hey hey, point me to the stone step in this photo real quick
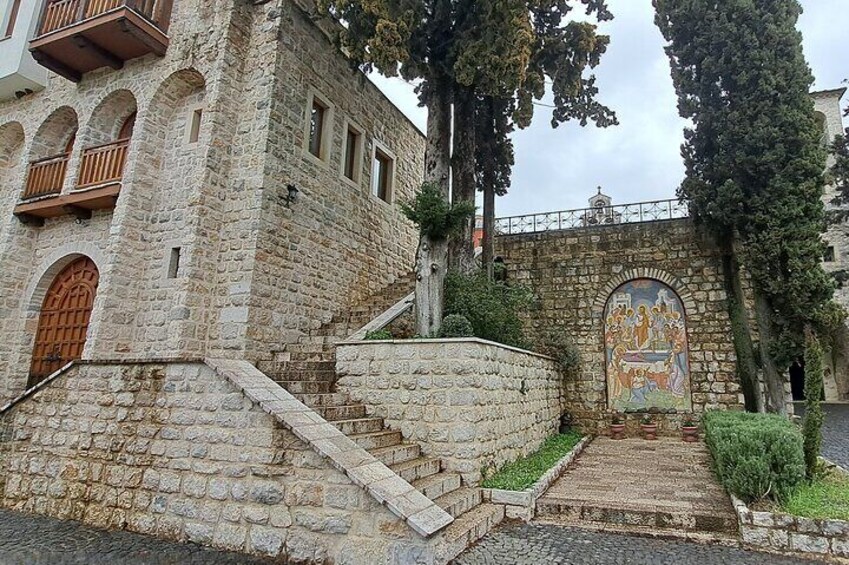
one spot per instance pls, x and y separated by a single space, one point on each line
317 400
706 538
306 387
313 356
349 412
397 453
623 514
460 501
376 440
438 485
315 376
359 426
312 339
474 524
417 468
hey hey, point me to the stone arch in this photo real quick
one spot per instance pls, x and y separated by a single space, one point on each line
109 117
52 265
11 144
56 135
646 347
643 273
822 127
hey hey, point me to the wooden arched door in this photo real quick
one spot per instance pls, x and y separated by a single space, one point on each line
63 322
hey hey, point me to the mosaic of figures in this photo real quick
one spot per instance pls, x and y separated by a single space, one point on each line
645 337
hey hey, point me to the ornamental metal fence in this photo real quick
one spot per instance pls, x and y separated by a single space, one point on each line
593 217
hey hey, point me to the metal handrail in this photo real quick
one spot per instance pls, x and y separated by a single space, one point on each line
652 211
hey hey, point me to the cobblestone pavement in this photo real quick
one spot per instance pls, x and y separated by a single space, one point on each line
835 432
36 540
542 544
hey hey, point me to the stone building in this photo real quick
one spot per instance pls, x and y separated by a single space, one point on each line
213 176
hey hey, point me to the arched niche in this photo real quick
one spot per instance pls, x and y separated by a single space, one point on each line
646 348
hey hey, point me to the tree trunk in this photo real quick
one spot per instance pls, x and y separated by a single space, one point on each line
489 230
775 401
747 367
462 246
432 256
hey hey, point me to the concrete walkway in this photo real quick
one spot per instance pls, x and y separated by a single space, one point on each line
663 486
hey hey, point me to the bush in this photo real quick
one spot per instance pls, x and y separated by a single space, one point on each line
492 308
559 344
378 335
434 215
457 325
755 456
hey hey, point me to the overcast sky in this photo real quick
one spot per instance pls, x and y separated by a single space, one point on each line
639 160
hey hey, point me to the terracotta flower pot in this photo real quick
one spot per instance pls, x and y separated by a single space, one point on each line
649 431
690 433
617 431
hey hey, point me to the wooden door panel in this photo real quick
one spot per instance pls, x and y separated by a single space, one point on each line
64 319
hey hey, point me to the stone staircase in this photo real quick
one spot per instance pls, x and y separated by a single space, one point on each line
309 374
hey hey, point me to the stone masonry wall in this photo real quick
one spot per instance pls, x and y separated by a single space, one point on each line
571 272
175 451
475 404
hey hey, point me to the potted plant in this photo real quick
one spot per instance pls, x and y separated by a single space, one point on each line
617 426
649 427
690 430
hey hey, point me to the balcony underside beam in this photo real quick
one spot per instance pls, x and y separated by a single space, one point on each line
56 66
109 59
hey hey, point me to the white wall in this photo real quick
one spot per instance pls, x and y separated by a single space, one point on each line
18 70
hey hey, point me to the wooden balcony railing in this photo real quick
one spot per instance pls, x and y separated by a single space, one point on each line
103 164
46 176
58 14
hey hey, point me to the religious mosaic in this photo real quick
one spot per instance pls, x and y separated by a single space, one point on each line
645 337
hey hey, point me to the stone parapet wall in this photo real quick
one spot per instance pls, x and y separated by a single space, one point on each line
475 404
572 272
786 533
178 451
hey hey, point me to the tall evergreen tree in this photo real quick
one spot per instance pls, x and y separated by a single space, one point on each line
462 49
754 162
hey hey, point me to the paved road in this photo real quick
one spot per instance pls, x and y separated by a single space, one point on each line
539 544
835 432
35 540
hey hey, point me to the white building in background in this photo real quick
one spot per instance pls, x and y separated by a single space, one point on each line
20 74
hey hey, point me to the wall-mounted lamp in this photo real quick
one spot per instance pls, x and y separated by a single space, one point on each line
291 195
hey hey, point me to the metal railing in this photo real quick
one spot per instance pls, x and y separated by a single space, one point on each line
103 164
46 176
593 217
59 14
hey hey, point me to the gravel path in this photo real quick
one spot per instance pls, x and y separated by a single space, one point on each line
835 432
541 544
36 540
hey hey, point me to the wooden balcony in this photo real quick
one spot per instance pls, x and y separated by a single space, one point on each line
46 176
97 188
78 36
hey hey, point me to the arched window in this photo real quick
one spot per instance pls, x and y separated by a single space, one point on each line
646 351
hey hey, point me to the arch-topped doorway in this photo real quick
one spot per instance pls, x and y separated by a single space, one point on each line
64 318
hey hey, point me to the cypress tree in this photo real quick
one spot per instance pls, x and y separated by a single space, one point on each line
755 167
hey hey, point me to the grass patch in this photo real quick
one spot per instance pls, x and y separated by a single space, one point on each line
524 472
823 499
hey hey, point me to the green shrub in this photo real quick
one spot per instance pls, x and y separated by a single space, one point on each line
755 456
378 335
812 426
559 344
491 307
524 472
434 215
457 325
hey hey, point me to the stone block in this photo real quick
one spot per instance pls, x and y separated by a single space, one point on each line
809 543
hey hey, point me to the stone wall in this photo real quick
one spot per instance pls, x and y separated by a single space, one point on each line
786 533
179 452
573 273
475 404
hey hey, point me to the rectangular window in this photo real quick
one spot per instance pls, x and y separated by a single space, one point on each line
382 176
829 255
194 125
174 263
13 16
318 116
353 152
